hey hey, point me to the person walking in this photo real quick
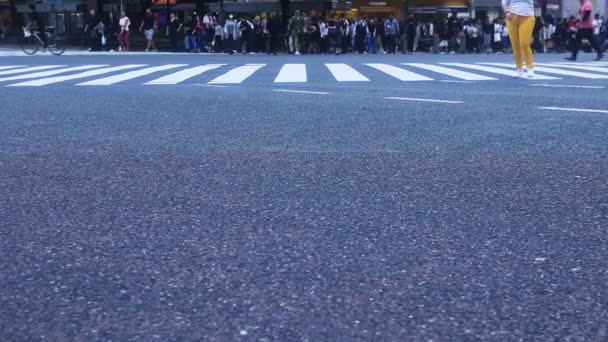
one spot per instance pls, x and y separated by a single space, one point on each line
520 23
230 34
175 26
391 27
585 31
123 36
148 26
112 31
92 29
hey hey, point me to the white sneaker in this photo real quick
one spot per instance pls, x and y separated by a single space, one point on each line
519 73
531 73
297 53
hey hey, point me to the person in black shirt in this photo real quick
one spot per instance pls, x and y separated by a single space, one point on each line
92 28
148 26
174 27
37 24
274 27
112 30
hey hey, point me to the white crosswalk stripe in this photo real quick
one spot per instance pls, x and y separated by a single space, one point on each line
576 67
22 70
238 74
398 73
4 67
463 75
291 73
50 72
130 75
497 71
90 73
557 71
345 73
185 74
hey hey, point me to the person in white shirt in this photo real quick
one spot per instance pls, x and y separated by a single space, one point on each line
123 36
597 24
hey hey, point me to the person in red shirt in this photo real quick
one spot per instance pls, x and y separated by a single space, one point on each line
585 31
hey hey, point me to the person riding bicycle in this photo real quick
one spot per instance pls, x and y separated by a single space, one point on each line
37 24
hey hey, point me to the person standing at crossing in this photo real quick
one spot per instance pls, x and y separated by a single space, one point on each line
585 31
520 23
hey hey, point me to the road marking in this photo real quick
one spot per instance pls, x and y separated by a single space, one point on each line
90 73
577 67
498 71
455 81
345 73
36 68
463 75
238 74
185 74
421 100
210 85
565 86
51 72
4 67
575 110
301 91
398 73
291 73
557 71
130 75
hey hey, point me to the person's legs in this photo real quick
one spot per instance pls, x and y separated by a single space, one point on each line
526 25
513 28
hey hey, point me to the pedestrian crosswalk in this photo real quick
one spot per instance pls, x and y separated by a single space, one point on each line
295 73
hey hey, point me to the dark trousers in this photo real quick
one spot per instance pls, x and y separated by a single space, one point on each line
585 33
275 43
229 44
360 43
410 42
173 37
345 43
391 43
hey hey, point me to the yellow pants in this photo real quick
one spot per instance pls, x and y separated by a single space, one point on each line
520 33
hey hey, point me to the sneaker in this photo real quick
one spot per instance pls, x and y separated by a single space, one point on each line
146 50
111 50
90 50
530 73
570 59
599 57
519 73
297 53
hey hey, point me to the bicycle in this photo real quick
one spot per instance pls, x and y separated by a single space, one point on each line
31 41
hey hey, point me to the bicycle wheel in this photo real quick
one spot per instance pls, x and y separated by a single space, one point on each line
56 46
29 44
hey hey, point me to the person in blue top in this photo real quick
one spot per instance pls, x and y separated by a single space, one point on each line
391 26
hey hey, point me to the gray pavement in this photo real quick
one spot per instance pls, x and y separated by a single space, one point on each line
323 210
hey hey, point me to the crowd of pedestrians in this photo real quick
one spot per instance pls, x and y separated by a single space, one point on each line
335 34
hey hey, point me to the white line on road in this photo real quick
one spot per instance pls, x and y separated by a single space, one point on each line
36 68
463 75
185 74
498 71
51 72
576 67
558 71
455 81
4 67
421 100
90 73
237 75
291 73
575 109
566 86
130 75
398 73
210 85
345 73
301 91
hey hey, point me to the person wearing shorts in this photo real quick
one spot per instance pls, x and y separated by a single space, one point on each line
148 26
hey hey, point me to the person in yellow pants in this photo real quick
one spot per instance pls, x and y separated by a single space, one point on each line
520 23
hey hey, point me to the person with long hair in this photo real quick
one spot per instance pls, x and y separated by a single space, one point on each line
520 23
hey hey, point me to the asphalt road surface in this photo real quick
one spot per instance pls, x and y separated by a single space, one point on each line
302 198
